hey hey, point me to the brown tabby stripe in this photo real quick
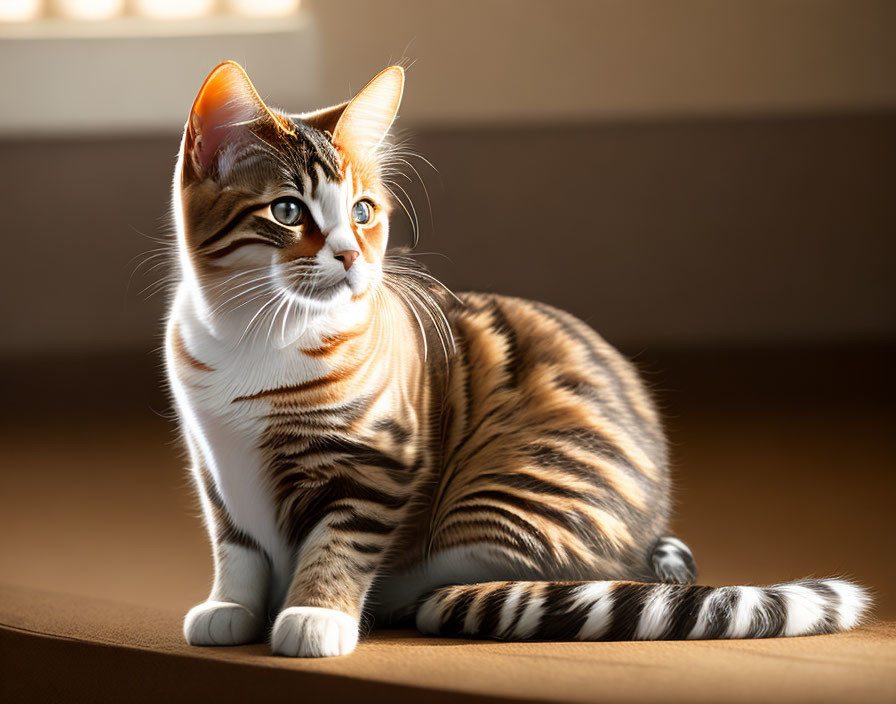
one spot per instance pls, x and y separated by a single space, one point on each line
519 531
235 245
224 529
595 348
332 343
293 389
180 350
497 534
400 433
298 421
229 226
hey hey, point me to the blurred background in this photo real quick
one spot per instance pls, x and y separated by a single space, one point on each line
721 177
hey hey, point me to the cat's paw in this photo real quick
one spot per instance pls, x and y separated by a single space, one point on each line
313 632
221 623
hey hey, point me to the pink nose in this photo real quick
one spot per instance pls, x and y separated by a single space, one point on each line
347 257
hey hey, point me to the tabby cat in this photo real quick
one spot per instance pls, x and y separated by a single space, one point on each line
365 443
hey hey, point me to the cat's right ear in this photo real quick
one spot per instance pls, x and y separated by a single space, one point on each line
226 111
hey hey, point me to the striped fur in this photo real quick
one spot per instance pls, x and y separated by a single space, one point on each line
363 442
619 610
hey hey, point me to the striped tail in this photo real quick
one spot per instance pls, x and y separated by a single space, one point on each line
588 611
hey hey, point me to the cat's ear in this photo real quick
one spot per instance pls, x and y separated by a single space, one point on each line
227 110
366 119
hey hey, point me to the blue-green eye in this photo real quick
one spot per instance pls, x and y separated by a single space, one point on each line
362 211
287 211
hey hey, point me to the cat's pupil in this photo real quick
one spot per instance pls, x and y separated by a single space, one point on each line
287 211
361 212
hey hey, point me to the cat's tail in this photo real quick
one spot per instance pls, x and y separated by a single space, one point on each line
616 610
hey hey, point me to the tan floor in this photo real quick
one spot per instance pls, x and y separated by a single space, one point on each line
106 651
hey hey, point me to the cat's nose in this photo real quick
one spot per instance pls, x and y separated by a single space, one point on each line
347 257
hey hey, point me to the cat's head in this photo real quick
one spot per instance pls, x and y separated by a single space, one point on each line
291 206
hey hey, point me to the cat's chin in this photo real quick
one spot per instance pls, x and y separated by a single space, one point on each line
313 313
324 298
327 298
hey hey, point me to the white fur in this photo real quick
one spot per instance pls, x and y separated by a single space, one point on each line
598 595
748 601
242 576
226 439
805 609
222 623
854 602
703 623
529 619
508 610
670 541
471 620
654 616
313 632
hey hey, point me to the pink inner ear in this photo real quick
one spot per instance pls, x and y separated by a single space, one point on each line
227 102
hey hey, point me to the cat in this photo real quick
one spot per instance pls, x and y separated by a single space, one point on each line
365 443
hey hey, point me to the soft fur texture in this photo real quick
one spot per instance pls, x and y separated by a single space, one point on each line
363 442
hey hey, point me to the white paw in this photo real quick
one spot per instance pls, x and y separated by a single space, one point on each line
312 632
221 623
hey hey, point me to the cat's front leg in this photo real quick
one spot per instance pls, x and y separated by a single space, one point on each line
335 567
236 609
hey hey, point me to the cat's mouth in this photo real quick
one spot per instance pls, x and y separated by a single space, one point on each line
353 283
329 291
323 293
315 286
322 289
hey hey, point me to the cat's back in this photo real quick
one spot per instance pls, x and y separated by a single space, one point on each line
528 346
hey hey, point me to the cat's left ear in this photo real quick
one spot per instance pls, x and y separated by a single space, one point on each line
365 120
227 110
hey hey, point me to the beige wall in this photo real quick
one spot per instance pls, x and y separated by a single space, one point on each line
691 232
577 60
474 62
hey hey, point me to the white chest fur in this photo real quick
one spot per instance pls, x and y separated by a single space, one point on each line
226 435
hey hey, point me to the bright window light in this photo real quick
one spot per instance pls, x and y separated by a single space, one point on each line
175 9
19 10
90 9
264 8
106 18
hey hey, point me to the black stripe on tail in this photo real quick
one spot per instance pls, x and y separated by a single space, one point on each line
635 611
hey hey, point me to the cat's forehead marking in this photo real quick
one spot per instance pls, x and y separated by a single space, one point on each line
328 200
318 155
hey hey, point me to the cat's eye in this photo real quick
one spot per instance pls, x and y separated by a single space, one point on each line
287 211
362 211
